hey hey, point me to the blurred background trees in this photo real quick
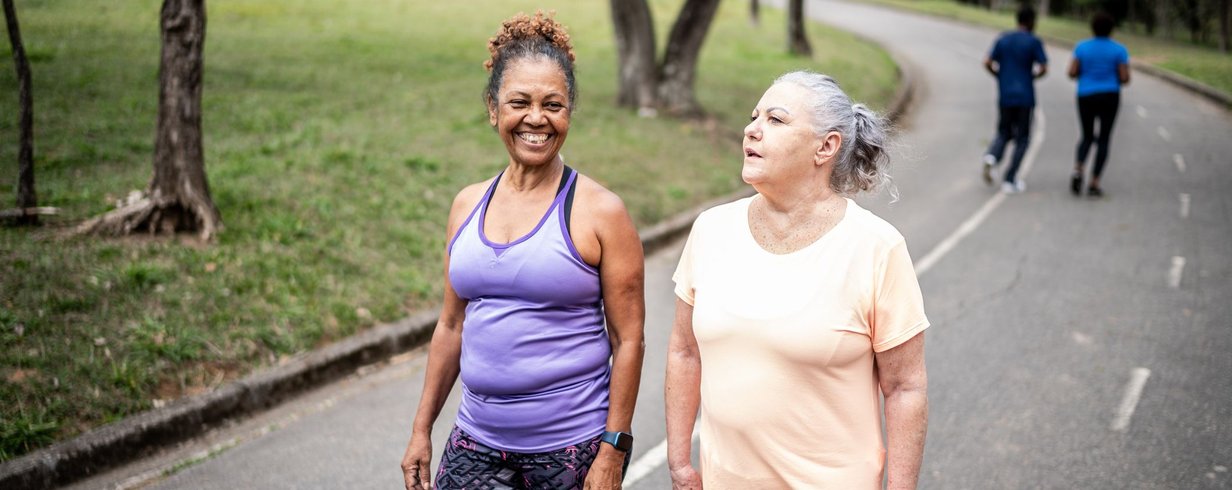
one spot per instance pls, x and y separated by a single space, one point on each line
1203 22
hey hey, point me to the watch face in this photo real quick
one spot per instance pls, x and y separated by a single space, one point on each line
620 440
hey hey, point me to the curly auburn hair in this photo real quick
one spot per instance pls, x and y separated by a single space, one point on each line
523 36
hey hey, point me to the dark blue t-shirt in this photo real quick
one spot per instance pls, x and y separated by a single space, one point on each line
1016 53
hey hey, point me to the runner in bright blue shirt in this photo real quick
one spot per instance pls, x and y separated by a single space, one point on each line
1101 67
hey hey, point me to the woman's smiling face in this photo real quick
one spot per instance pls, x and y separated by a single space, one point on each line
531 113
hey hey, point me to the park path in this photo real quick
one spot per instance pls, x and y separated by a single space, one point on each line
1075 343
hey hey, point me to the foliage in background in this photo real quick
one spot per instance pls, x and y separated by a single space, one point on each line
336 136
1204 64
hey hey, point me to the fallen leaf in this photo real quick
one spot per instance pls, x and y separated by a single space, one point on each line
100 341
19 375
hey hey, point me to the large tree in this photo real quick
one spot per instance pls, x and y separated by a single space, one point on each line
667 85
797 41
27 199
178 196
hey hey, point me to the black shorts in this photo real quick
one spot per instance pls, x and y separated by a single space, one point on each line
468 464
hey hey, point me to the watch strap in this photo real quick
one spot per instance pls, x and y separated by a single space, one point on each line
619 440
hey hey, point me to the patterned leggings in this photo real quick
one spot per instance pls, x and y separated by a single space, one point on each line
468 464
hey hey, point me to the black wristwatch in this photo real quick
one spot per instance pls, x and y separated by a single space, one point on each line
619 440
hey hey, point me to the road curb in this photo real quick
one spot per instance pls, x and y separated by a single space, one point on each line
116 444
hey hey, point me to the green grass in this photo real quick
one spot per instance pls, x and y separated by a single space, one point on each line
1201 63
336 136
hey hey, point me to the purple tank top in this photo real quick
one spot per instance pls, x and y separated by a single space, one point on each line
535 353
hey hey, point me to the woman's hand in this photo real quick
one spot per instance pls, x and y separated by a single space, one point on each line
686 478
417 463
605 471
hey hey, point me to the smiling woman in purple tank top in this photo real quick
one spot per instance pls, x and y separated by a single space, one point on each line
543 310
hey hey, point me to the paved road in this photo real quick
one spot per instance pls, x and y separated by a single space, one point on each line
1076 343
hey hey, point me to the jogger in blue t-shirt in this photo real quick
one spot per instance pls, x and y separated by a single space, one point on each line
1016 59
1101 67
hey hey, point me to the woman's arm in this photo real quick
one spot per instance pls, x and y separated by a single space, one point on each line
1074 68
1123 73
904 383
621 278
682 393
444 355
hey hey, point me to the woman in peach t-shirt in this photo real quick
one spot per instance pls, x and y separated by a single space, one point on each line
797 311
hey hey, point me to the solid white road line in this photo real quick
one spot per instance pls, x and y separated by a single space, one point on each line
1133 391
653 458
1174 274
1184 205
1142 112
925 263
1163 133
1179 160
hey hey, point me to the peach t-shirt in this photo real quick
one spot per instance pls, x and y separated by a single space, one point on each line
788 392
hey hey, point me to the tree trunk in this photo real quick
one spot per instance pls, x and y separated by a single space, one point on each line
1042 9
1224 7
27 198
797 40
635 46
1163 19
178 198
754 12
684 45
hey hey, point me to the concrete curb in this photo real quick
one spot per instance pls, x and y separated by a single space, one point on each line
113 445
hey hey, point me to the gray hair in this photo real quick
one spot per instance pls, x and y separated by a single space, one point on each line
862 161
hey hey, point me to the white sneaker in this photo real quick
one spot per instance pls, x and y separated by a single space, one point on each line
1013 187
989 161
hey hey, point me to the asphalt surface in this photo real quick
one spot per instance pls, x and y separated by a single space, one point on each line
1076 343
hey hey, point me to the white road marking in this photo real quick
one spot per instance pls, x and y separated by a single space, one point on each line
653 458
1174 274
1133 391
925 263
1163 133
1142 112
1184 205
1179 160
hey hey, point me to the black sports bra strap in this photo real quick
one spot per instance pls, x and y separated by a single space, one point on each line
564 179
568 204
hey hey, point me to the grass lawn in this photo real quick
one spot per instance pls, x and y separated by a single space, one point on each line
1200 63
337 133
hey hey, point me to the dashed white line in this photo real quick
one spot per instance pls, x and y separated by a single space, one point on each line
1174 274
1142 112
1184 205
1137 380
1163 133
1179 160
968 226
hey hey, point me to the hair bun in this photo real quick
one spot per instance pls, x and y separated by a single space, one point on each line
522 26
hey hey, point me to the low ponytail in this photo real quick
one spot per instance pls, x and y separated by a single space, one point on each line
862 162
867 158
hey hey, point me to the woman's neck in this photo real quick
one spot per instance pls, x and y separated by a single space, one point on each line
522 178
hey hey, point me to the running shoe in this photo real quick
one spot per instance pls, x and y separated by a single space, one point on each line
1008 187
1075 183
989 161
1094 192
